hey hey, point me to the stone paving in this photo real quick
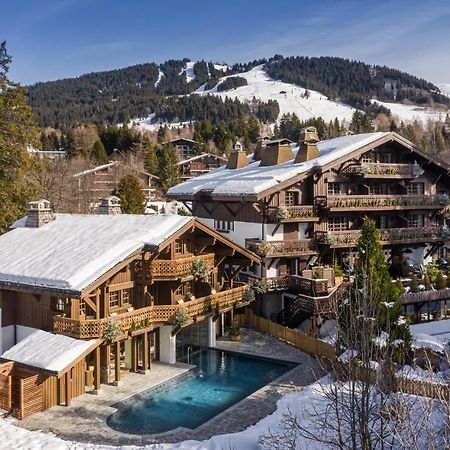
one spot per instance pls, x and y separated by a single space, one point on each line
85 420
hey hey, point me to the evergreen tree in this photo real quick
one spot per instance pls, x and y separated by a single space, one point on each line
151 163
17 130
98 153
169 172
132 199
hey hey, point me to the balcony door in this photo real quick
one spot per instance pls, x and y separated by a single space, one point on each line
290 231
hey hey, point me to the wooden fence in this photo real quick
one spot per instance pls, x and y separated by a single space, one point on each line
298 339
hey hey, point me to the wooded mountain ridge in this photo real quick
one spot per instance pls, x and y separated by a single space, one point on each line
116 96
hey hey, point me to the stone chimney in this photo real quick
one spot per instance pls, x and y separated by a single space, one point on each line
307 145
238 158
39 214
276 152
261 141
109 205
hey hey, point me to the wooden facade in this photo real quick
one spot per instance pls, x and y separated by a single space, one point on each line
199 165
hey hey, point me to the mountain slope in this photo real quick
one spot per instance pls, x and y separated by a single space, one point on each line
335 87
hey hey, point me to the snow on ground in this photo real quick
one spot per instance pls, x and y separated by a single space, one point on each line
439 328
160 75
189 71
434 343
445 89
148 124
289 96
420 374
409 113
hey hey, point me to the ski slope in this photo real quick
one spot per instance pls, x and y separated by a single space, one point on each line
445 89
409 113
290 97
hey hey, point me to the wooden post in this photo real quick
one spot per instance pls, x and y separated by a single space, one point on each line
145 351
133 354
97 369
68 387
117 363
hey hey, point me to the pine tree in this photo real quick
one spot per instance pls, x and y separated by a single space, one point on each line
132 199
98 153
151 163
17 130
169 172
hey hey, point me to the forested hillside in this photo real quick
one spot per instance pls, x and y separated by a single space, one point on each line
117 96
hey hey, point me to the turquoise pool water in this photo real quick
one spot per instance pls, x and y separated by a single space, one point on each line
220 380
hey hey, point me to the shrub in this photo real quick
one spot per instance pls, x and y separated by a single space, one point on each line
235 328
338 272
260 286
432 270
249 295
414 285
427 283
440 282
111 330
318 272
282 213
263 248
181 317
199 268
416 170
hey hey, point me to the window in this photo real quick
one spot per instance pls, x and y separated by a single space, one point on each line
182 246
225 226
379 189
416 220
291 198
338 223
415 188
114 299
382 222
337 188
367 157
183 290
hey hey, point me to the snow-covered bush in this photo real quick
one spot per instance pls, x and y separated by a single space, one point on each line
111 330
181 316
199 268
282 213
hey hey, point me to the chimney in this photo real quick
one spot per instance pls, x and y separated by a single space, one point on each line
238 157
307 145
276 152
109 205
260 142
39 214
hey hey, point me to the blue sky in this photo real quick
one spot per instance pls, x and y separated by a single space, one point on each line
51 39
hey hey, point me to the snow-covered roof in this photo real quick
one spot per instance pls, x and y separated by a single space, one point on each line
72 251
96 169
48 351
253 179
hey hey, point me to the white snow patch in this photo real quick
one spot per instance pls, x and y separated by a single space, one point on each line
348 355
188 69
290 97
409 113
433 343
445 89
439 328
420 374
160 75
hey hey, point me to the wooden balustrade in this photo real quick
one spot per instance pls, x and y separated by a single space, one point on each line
270 249
156 314
425 296
298 213
388 235
382 201
175 268
372 170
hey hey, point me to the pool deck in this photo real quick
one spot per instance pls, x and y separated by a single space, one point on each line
85 420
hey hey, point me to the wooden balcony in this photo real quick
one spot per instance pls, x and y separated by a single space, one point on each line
380 202
299 213
381 170
154 315
271 249
349 238
298 284
178 268
425 296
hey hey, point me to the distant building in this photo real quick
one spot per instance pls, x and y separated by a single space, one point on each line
101 181
200 164
49 154
184 147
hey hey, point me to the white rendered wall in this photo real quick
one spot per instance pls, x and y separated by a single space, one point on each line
23 332
167 345
6 338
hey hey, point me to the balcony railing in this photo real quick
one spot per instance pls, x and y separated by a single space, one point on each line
299 213
270 249
373 170
391 235
425 296
174 268
382 201
156 314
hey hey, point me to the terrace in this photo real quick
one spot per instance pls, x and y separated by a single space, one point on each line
151 315
382 170
163 269
298 213
270 249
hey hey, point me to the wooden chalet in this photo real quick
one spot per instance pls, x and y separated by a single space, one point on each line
101 181
199 165
84 299
302 206
184 147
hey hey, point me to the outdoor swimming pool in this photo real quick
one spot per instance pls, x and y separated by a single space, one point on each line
220 380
